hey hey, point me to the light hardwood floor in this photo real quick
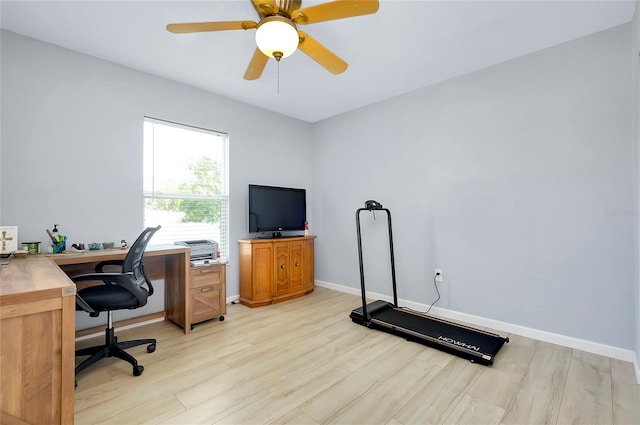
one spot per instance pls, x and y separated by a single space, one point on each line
304 361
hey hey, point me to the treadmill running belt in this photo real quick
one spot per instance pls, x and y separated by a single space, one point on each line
442 332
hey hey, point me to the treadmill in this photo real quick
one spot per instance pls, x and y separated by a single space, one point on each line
476 345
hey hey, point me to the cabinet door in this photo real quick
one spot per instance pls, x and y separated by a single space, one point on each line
206 303
296 267
262 276
308 272
281 255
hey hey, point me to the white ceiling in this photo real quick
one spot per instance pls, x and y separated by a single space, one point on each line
407 44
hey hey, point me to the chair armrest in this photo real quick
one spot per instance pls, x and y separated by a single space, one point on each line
100 266
146 279
83 305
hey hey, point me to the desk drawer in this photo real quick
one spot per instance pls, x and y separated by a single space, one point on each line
207 303
207 275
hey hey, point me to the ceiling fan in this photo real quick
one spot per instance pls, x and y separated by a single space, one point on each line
277 34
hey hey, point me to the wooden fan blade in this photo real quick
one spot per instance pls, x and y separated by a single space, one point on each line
321 54
210 26
256 66
265 7
337 9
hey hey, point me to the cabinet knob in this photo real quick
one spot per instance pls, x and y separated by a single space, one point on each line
297 264
282 266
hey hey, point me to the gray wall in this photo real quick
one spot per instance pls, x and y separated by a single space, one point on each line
516 180
72 146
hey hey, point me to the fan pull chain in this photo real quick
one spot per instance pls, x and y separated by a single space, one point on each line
277 56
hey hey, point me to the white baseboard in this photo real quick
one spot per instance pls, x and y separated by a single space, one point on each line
566 341
340 288
231 299
120 328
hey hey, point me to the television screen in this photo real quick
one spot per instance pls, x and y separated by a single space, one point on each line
276 209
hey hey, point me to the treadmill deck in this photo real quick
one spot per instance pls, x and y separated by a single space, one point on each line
475 344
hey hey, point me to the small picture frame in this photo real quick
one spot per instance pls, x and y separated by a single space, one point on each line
8 239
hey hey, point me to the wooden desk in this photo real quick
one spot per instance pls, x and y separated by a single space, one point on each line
168 262
37 328
159 261
37 342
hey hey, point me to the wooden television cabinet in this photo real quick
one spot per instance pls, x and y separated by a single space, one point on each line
274 270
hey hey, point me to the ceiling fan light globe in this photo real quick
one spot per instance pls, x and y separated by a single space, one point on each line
277 35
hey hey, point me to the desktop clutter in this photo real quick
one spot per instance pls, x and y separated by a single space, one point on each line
94 246
59 244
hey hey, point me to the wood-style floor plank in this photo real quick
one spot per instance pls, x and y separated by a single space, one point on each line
625 393
333 400
587 391
439 397
495 387
383 401
538 398
294 416
147 413
296 389
304 362
471 410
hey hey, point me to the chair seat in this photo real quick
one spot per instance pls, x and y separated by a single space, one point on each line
108 297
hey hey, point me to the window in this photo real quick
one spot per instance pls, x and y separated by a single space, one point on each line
186 187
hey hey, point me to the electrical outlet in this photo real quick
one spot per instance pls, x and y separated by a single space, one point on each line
438 274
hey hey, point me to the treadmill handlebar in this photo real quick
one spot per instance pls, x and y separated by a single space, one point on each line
372 205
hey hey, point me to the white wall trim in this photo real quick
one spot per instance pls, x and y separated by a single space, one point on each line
566 341
121 328
636 367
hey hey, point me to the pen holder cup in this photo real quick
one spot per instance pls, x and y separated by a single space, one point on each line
60 247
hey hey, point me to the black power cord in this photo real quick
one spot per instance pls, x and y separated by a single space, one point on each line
435 283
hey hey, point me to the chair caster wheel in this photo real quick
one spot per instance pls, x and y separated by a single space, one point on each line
151 348
221 318
137 370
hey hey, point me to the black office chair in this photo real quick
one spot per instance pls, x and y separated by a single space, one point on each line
124 290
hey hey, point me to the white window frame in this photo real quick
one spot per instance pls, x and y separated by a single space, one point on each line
223 198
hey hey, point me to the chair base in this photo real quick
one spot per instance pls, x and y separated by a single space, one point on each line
113 348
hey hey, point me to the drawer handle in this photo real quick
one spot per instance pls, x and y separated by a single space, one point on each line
207 271
282 266
206 289
297 264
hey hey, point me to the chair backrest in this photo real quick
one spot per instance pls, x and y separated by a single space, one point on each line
133 261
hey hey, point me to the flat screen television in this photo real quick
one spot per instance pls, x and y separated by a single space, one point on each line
276 209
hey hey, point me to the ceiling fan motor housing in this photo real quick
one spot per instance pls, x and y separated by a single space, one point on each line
288 6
